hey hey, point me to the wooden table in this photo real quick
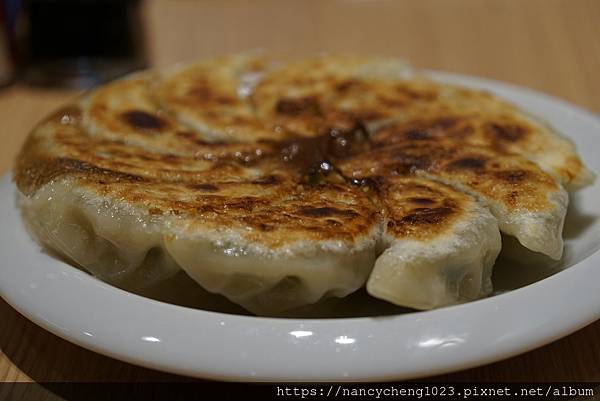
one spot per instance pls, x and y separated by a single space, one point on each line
548 45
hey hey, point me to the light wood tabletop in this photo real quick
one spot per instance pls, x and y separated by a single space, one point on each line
548 45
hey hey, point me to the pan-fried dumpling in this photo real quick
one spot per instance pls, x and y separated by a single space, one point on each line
439 245
279 185
249 233
527 202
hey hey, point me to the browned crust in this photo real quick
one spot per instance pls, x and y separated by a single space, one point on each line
418 208
298 186
279 198
508 179
268 199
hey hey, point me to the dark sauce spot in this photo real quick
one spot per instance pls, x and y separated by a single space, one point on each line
325 212
143 120
370 182
303 153
341 144
468 163
297 107
313 156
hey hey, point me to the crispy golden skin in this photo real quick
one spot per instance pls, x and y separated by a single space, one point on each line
207 96
335 152
283 190
190 127
267 195
417 208
506 178
316 94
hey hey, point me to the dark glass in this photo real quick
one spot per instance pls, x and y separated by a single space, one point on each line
79 42
6 69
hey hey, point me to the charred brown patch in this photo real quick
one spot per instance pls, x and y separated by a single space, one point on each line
187 135
201 90
204 187
206 209
506 132
392 101
32 174
78 166
415 94
169 158
408 159
425 129
421 216
512 176
203 93
512 198
294 107
417 135
347 85
144 157
445 123
143 120
246 203
265 227
268 180
325 212
422 201
195 138
468 163
225 100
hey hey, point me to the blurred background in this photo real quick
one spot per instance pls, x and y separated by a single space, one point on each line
81 42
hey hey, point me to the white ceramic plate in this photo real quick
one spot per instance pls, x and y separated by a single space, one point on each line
81 309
